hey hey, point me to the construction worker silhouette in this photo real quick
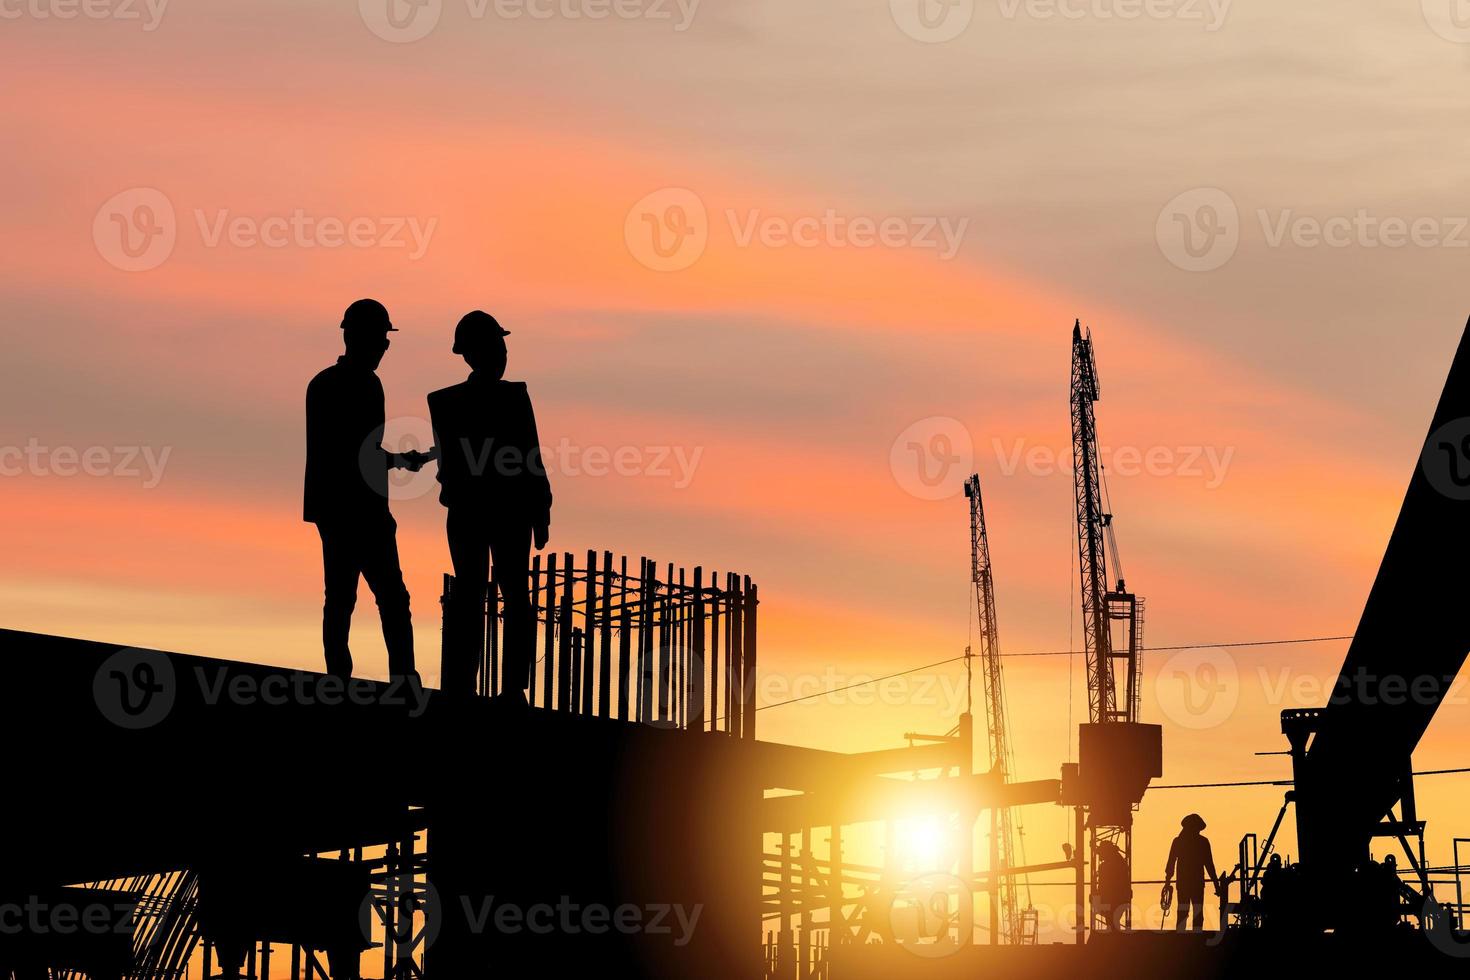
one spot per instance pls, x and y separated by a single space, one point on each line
493 481
1190 855
347 492
1114 885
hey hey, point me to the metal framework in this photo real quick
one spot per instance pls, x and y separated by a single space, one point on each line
1006 922
678 651
1112 618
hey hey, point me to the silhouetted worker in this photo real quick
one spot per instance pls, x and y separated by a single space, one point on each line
1273 883
1190 856
1114 885
347 491
495 486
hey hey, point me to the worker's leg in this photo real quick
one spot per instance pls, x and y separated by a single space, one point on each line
340 570
379 543
1198 924
510 548
469 551
1181 911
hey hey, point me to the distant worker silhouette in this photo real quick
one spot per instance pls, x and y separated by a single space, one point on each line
1190 856
1114 885
495 486
347 491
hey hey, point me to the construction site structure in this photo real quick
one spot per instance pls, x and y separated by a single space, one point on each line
218 807
1117 754
1009 922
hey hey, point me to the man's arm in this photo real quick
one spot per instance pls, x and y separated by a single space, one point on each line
1210 865
541 491
1173 860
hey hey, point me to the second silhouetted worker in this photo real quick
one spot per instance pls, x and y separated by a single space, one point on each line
495 486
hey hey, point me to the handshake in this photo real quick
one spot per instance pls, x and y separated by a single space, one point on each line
413 460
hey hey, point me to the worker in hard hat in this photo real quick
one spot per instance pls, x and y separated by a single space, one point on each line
1114 886
347 492
494 484
1190 856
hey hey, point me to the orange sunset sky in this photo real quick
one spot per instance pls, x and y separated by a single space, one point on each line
759 386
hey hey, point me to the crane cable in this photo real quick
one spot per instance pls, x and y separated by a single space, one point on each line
1039 653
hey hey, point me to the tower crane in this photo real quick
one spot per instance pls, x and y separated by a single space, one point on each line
1117 755
1008 921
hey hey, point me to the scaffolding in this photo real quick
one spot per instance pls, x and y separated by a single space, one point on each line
677 651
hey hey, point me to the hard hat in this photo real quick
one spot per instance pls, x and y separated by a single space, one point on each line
476 323
366 314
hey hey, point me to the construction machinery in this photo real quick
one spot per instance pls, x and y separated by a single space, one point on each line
1353 781
1117 755
1008 921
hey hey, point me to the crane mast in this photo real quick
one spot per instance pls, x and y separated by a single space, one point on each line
1117 755
1103 609
1091 521
1006 921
